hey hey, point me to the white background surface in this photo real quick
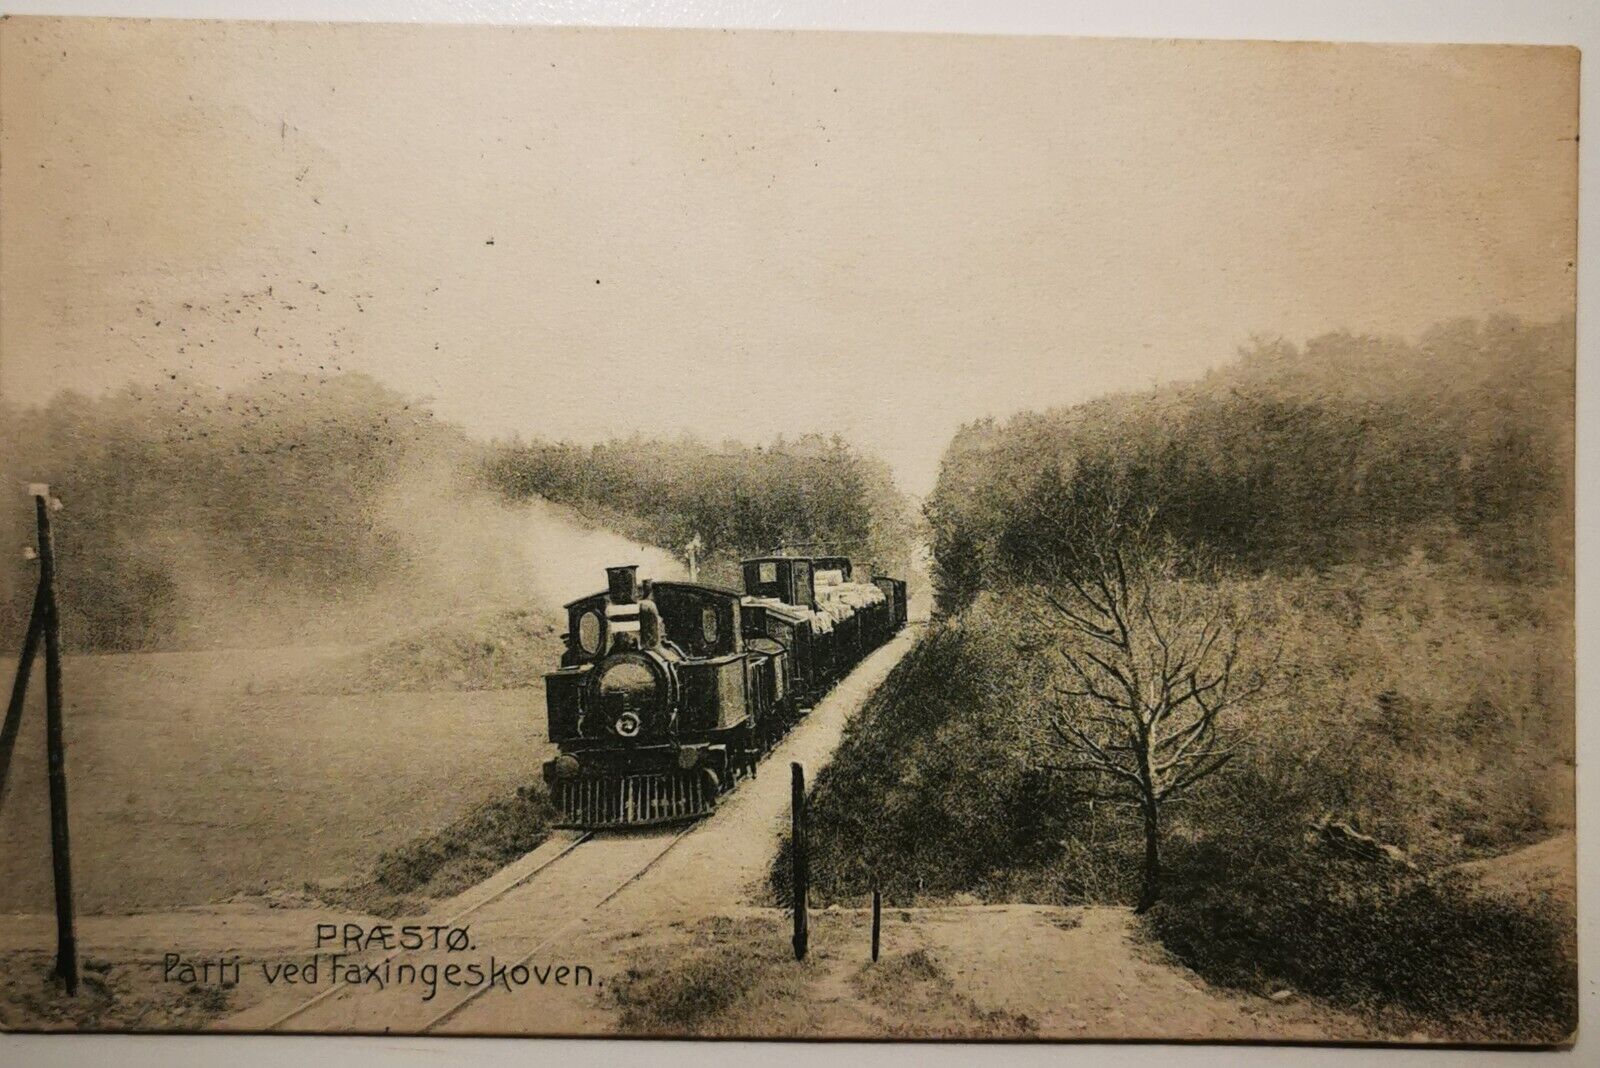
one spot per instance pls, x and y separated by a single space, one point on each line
1546 22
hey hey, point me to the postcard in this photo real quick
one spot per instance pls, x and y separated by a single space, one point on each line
596 532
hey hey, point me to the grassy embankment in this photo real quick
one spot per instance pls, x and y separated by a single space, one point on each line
1399 516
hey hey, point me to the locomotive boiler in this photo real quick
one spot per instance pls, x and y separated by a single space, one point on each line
669 693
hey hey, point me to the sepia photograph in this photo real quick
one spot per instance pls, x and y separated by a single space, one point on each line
686 533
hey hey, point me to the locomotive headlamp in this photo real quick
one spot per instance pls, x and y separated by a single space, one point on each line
688 757
627 725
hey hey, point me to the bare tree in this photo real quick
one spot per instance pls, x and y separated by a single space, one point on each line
1154 662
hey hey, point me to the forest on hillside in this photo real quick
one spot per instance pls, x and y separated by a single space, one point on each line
1339 577
1347 448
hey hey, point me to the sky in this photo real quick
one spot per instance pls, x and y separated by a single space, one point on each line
582 233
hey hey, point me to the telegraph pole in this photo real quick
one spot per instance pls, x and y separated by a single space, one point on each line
45 622
55 748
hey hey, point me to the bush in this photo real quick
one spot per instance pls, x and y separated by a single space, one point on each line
460 855
481 842
1430 705
1269 910
730 978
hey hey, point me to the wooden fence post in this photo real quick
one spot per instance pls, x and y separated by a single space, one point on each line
55 747
877 921
797 850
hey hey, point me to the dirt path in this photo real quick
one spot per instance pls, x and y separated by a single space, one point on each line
972 972
1086 973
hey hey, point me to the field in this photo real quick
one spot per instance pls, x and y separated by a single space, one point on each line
199 775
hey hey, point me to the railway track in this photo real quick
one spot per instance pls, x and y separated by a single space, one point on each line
545 943
532 911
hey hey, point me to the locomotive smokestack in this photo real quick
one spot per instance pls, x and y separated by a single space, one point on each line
623 583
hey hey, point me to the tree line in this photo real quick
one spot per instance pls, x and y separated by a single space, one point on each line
187 503
1349 448
732 499
183 492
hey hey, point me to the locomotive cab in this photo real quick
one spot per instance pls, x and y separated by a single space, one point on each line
782 578
624 615
789 581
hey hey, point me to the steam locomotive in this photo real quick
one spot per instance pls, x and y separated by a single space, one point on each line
669 693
